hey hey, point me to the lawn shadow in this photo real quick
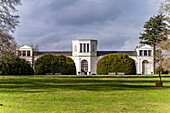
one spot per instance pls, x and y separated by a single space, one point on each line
39 85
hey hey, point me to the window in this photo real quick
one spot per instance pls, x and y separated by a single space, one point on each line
93 49
149 52
24 53
145 52
81 49
87 47
84 66
19 53
84 47
140 52
28 53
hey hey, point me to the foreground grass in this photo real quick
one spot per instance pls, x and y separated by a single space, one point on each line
84 94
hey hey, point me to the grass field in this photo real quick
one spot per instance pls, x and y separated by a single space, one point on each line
84 94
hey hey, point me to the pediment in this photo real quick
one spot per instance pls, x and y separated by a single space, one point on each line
24 47
145 47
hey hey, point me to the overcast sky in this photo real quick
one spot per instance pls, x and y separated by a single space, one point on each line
53 24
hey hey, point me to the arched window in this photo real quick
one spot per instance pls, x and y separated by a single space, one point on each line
145 67
84 66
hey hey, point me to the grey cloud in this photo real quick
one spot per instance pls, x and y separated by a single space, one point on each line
54 23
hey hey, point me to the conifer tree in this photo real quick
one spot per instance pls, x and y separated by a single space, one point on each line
154 31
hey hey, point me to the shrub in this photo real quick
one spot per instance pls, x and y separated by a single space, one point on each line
16 67
43 64
163 71
116 63
55 64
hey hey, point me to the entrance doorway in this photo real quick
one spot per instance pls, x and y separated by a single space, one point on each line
84 67
145 67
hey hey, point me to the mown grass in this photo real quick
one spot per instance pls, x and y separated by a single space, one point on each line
84 94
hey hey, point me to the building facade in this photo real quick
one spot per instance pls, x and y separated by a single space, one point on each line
85 55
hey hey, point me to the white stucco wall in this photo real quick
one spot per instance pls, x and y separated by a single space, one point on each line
25 48
92 58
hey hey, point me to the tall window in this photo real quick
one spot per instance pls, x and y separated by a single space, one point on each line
87 47
140 52
28 53
24 53
145 52
149 53
84 47
81 48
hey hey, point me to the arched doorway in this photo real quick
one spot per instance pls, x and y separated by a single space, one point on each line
84 67
145 67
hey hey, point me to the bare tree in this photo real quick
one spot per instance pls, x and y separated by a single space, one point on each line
166 64
7 48
8 19
7 43
165 9
163 54
35 48
8 23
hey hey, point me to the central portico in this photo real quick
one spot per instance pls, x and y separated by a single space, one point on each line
84 54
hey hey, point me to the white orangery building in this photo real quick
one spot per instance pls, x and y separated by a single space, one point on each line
85 55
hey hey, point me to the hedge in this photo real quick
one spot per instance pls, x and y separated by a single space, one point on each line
55 64
115 63
16 67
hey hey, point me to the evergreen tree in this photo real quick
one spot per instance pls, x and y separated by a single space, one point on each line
154 31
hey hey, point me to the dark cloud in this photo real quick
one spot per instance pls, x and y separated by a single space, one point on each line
53 24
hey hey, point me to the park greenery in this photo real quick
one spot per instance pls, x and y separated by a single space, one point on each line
8 22
84 94
15 66
155 31
75 93
114 63
163 55
54 64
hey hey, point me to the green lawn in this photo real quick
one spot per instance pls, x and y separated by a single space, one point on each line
84 94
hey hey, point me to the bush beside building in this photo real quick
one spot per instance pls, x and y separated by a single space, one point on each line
16 67
114 63
54 64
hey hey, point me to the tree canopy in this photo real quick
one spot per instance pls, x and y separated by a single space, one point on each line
8 18
155 30
8 23
165 8
163 54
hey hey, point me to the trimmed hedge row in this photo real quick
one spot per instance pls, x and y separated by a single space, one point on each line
116 63
55 64
16 67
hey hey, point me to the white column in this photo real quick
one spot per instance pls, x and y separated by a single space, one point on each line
21 53
90 65
79 65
